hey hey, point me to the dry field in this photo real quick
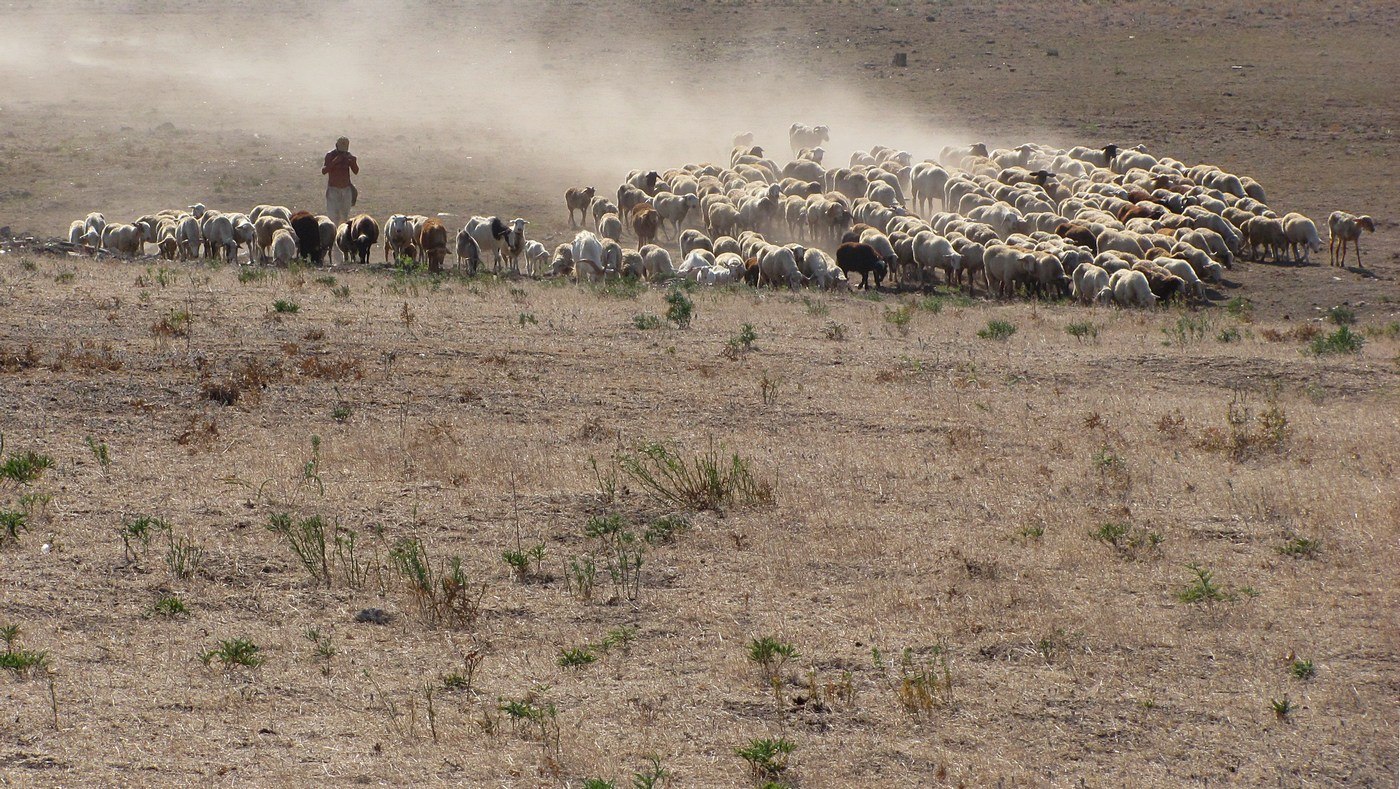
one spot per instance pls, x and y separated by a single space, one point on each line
980 548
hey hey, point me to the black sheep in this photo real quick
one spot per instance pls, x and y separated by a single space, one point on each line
863 259
308 233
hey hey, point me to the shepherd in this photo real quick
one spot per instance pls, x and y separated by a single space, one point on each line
341 195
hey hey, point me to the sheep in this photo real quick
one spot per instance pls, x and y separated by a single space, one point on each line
600 207
308 233
506 241
1005 267
218 239
578 199
95 223
361 234
931 252
245 234
1301 235
536 257
1343 228
468 250
645 224
431 242
1130 288
722 219
778 265
801 136
950 156
281 212
1266 233
561 264
610 226
656 263
1182 269
743 140
696 262
398 236
1047 276
284 245
1090 285
587 257
267 225
862 259
1164 285
674 207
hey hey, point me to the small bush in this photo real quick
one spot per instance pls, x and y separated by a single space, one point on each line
285 307
1341 315
900 318
1188 329
307 541
1300 548
1202 588
834 331
771 654
1130 541
1228 335
767 758
170 606
1343 340
1303 669
680 309
234 652
12 523
175 323
646 321
576 657
997 330
741 342
1083 330
20 661
24 467
707 481
1240 308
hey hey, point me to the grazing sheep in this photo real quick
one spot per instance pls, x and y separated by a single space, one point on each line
933 252
1265 235
308 233
506 241
602 206
861 259
267 225
1301 235
468 250
1130 289
398 237
1182 269
94 223
361 234
1005 267
587 257
1343 228
218 239
432 243
284 245
1090 285
562 263
778 266
656 263
578 199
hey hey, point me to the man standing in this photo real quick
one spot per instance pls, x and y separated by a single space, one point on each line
341 195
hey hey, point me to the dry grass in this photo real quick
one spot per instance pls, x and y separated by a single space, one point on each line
932 552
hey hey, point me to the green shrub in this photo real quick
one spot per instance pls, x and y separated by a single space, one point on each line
997 330
1341 315
646 321
680 308
1343 340
707 481
286 307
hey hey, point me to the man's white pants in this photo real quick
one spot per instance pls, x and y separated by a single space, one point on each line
338 202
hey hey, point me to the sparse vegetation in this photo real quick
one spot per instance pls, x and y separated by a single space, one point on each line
14 658
767 757
998 330
679 308
646 321
1083 330
1341 341
1202 588
711 480
234 652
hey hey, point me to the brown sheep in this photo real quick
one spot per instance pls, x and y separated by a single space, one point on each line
645 223
1078 234
1165 285
432 242
578 200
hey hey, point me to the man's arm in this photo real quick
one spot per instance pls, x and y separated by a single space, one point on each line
326 165
354 164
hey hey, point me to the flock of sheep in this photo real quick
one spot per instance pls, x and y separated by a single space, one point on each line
1104 225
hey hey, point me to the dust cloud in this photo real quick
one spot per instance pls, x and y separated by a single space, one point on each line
567 90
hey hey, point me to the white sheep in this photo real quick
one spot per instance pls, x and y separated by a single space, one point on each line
1343 228
1130 289
1302 237
587 257
284 246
